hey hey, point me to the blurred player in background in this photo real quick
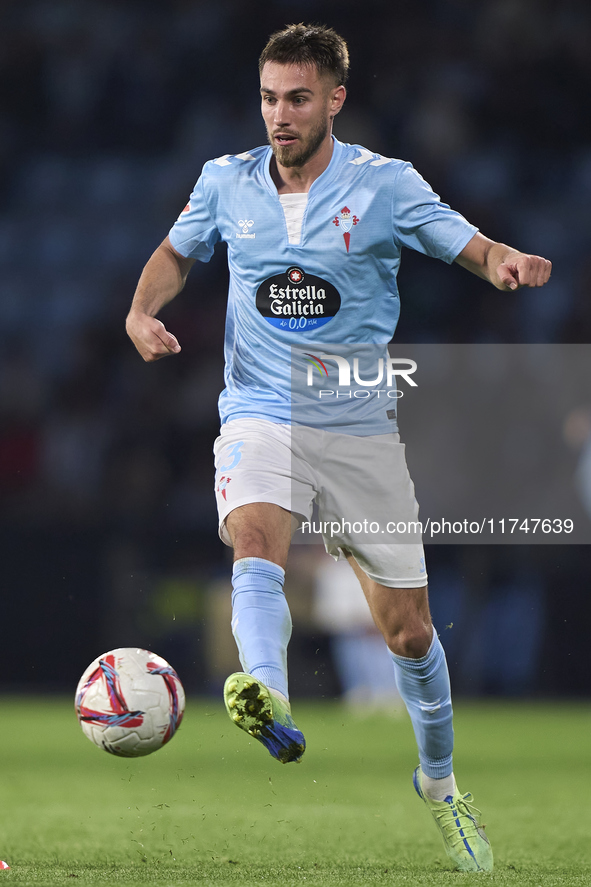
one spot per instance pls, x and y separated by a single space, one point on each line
358 651
308 206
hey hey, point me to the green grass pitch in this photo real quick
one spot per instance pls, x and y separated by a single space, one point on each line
214 808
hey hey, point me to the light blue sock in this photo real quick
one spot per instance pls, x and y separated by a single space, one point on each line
261 621
424 686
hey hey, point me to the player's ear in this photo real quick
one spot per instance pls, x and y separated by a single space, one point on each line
337 100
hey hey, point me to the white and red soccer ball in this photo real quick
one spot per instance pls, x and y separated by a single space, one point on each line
130 702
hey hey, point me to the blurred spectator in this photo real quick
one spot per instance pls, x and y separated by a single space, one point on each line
360 655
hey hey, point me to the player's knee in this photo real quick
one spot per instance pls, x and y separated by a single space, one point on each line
260 542
411 641
252 542
260 530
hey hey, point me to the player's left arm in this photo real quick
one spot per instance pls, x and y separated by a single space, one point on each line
506 268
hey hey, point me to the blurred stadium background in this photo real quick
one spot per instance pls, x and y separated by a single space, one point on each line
107 112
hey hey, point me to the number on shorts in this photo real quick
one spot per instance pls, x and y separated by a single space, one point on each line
235 452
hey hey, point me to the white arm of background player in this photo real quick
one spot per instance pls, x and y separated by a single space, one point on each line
504 267
161 280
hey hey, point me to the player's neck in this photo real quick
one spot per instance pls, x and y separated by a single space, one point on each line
299 179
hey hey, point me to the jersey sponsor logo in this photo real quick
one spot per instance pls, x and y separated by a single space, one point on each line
245 225
345 220
296 300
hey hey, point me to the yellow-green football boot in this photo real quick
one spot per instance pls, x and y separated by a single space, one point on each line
255 709
463 834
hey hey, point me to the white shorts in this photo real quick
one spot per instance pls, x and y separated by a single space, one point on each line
361 485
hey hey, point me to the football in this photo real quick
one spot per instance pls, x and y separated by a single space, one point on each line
130 702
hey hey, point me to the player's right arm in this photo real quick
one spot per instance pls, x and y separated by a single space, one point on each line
161 280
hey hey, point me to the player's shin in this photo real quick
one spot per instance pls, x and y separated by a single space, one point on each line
425 688
261 621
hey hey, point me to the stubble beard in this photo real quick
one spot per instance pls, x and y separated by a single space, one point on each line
299 154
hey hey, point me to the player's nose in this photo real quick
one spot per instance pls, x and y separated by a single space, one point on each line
281 113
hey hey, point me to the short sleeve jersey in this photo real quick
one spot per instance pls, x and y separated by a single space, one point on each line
338 285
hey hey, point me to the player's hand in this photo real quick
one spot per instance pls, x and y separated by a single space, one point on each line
524 270
150 336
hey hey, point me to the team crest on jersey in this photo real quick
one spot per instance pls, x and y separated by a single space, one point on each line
245 226
223 485
345 220
297 300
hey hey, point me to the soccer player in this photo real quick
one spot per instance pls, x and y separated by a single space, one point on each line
314 230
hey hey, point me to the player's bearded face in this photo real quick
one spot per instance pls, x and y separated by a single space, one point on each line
297 109
304 148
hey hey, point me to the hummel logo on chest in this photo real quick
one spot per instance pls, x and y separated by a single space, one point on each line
245 225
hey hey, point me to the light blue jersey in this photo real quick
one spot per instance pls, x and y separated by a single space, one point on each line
338 285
